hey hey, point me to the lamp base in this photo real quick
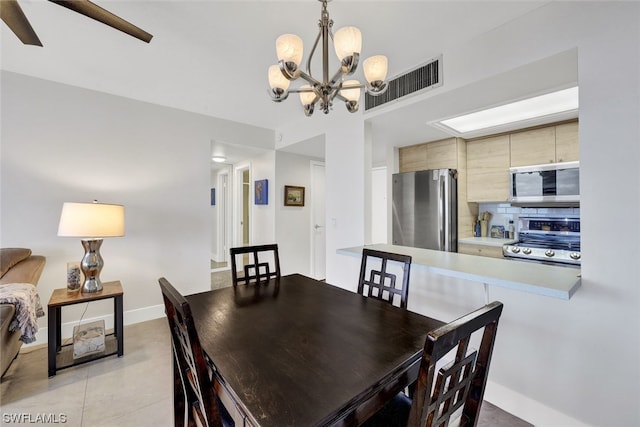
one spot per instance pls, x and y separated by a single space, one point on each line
91 266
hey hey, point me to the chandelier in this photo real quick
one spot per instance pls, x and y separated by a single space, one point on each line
347 42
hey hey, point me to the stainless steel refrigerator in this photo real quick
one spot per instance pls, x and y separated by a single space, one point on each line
425 209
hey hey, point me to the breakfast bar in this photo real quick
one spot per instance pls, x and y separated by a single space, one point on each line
540 279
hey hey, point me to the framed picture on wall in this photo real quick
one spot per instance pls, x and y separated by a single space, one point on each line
213 197
293 196
261 192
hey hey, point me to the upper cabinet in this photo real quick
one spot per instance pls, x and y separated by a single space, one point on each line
567 148
413 158
488 169
533 147
433 155
545 145
442 154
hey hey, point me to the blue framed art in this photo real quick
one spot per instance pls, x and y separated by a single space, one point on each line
261 192
213 197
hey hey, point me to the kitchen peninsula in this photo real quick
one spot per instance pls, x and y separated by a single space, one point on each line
540 279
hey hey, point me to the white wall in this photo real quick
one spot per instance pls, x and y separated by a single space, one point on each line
379 205
345 195
573 362
61 143
293 223
263 229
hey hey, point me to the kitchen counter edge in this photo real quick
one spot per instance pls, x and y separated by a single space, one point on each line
540 279
486 241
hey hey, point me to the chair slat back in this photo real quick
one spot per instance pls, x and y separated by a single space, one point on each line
382 283
440 393
190 360
260 263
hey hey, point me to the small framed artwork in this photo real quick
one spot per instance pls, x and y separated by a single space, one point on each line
261 192
293 196
213 197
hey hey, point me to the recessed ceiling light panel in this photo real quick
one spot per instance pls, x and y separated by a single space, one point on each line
551 104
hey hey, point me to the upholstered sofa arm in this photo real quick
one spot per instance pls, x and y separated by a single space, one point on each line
16 266
26 271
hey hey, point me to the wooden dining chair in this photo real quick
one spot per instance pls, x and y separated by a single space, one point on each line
195 398
259 264
453 392
382 283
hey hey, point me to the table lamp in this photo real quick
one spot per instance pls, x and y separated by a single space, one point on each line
91 222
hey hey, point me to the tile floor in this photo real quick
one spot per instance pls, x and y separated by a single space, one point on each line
135 390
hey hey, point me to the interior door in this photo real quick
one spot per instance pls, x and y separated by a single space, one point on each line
222 234
242 207
318 229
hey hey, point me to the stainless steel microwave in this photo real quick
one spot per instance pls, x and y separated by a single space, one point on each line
553 184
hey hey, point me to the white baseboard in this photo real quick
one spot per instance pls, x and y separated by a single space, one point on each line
130 317
528 409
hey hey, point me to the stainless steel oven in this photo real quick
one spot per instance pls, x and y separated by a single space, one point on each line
553 240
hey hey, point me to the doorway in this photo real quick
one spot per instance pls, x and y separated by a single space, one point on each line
242 216
222 226
318 229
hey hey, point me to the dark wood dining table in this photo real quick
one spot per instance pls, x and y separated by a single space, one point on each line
300 352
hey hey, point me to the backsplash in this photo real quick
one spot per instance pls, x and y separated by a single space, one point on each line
502 213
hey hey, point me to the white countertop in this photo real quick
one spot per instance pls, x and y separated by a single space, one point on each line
486 241
541 279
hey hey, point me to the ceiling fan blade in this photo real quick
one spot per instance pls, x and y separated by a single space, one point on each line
12 15
92 10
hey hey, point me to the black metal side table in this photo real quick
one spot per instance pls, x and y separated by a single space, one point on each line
61 356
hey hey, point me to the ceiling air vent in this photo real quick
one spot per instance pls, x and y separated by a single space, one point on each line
426 76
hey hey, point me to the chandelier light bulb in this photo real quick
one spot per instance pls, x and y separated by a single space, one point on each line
277 80
351 94
375 68
347 41
289 48
308 95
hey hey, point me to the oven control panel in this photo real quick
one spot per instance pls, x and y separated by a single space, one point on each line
551 225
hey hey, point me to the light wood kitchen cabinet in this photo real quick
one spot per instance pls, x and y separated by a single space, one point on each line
442 154
533 147
433 155
482 250
567 148
488 169
413 158
545 145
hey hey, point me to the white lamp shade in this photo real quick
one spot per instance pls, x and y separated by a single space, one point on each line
277 79
375 68
91 220
347 41
307 97
352 94
289 48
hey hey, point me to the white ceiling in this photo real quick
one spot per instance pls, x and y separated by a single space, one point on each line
211 57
